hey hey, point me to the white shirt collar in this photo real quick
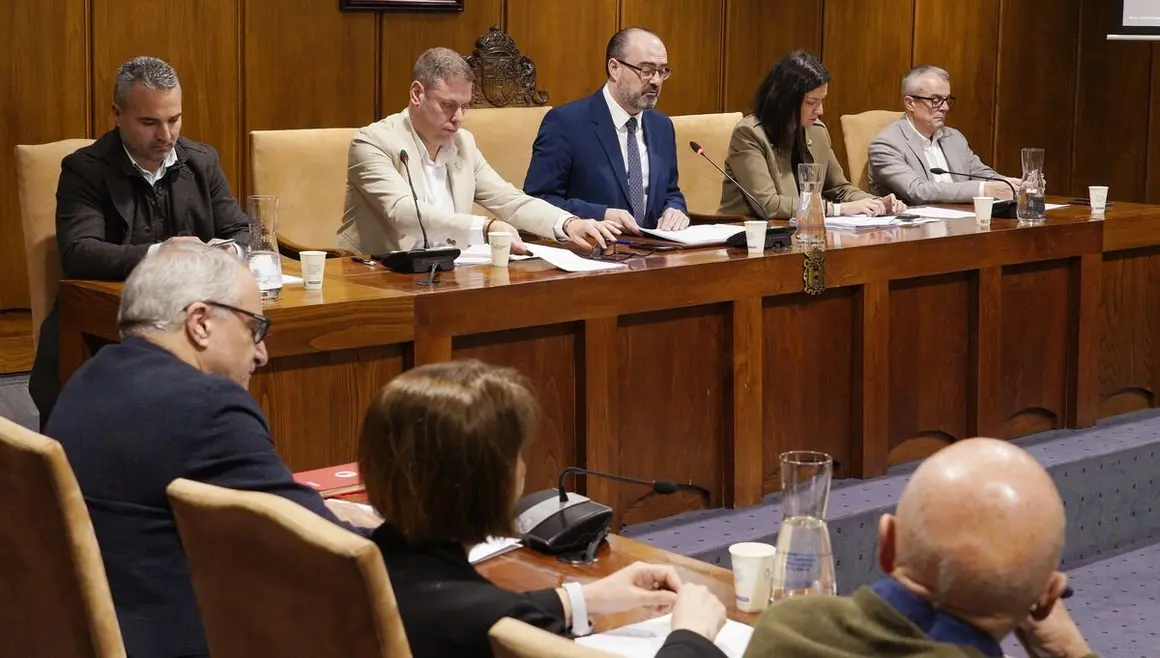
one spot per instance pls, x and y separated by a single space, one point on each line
926 142
153 176
619 116
446 153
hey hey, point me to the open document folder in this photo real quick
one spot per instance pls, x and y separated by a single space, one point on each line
645 639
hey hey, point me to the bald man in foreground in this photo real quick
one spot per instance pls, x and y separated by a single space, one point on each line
972 554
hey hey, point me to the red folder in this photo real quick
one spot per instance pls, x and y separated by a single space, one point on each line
332 481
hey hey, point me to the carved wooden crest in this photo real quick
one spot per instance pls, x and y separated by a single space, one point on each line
503 77
814 271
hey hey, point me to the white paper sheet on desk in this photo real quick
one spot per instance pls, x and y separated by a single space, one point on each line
940 213
288 279
569 261
864 222
492 547
645 639
480 254
1054 206
698 235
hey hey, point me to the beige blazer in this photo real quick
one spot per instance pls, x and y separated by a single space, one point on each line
380 213
768 174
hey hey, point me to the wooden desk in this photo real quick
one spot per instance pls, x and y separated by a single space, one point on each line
703 365
523 570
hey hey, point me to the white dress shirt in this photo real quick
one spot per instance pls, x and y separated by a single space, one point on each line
934 156
620 122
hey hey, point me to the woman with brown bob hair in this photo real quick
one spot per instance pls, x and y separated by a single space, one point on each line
441 456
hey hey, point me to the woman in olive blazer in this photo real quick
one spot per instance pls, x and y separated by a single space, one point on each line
764 158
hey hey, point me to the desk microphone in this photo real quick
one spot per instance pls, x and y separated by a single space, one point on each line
416 260
757 206
1002 209
658 486
775 237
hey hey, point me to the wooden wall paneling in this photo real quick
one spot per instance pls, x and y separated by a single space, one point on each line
971 57
872 363
406 36
1153 185
745 473
1034 346
547 357
797 403
867 48
930 365
44 57
1083 394
1129 332
307 65
692 31
986 345
1036 86
1113 90
200 41
602 410
757 35
566 41
674 413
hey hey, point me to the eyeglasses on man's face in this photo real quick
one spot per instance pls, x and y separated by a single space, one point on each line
259 325
937 102
648 71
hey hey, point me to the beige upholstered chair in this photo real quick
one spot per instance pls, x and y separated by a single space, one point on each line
37 173
274 579
54 596
306 170
700 182
505 136
858 130
511 638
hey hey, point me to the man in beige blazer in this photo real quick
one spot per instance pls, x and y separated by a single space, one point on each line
449 174
902 155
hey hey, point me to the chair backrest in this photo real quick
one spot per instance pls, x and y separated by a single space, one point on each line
274 579
511 638
503 77
37 173
54 596
306 170
858 130
700 182
505 137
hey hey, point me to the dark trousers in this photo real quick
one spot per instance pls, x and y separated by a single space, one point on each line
44 382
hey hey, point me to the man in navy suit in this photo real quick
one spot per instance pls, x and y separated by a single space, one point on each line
170 401
612 156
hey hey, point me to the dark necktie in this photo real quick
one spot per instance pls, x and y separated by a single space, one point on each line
635 177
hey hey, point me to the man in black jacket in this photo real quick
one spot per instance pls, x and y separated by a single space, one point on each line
140 185
170 401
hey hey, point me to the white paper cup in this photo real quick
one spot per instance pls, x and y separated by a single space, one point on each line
501 248
1098 195
313 268
983 207
752 574
755 236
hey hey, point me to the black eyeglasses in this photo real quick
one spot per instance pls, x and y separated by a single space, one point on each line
938 101
647 71
259 324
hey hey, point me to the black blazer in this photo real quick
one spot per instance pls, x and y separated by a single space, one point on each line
131 420
96 206
447 607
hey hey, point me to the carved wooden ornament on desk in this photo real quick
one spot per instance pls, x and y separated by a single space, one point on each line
400 5
814 271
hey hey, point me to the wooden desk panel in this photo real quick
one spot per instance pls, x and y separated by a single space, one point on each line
702 365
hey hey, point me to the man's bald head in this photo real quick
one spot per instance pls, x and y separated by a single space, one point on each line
979 531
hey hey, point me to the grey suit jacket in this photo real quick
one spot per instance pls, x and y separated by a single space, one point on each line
380 212
897 166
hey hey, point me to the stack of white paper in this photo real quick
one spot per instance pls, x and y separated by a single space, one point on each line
700 235
480 254
1054 206
940 213
569 261
492 547
645 639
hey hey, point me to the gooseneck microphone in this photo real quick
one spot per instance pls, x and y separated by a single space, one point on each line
757 206
418 260
658 486
1003 209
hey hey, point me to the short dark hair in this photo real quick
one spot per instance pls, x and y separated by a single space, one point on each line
439 448
777 104
441 64
618 44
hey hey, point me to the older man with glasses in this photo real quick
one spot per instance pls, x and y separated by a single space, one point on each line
901 156
170 401
611 155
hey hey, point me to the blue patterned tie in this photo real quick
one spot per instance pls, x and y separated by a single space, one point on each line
635 177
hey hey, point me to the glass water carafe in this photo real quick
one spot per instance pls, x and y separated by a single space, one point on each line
1032 188
804 563
262 250
810 217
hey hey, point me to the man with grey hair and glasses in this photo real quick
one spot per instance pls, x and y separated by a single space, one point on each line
449 174
170 401
139 185
902 155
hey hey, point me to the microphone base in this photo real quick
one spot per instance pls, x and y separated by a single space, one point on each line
419 261
776 237
1005 209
